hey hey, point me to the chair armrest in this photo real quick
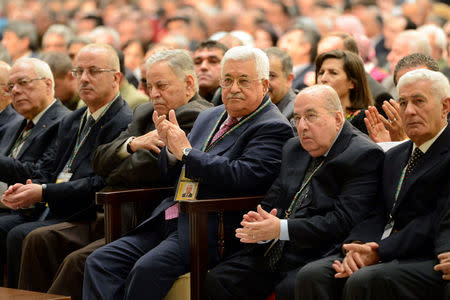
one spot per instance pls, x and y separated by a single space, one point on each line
113 200
198 228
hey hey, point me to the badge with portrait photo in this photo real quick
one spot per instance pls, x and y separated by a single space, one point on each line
187 188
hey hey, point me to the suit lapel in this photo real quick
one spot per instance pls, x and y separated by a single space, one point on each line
13 132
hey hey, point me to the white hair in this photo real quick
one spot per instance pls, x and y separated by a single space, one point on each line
61 30
40 67
104 30
247 53
440 88
440 39
418 41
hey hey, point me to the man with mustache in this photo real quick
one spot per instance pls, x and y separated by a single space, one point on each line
63 185
207 57
233 149
280 81
391 255
310 208
130 160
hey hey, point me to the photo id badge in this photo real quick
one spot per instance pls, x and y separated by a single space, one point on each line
63 177
187 188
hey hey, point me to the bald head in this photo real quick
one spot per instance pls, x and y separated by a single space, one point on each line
5 99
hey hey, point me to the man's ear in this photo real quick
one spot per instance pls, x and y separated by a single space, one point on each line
265 83
190 82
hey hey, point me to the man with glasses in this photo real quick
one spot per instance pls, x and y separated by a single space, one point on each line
327 183
222 158
63 184
30 85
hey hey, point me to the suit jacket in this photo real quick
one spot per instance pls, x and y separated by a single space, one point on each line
38 142
8 117
298 83
244 162
343 193
422 198
286 105
141 167
75 198
442 243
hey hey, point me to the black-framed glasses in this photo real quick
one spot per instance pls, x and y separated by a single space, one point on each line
22 82
242 82
91 72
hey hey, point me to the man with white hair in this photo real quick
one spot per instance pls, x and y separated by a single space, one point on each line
8 115
405 43
438 43
31 88
311 207
233 149
62 184
56 38
391 255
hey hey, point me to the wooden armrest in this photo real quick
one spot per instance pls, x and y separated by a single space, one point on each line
112 201
132 195
198 228
220 204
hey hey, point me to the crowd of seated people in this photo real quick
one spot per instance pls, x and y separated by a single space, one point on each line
336 111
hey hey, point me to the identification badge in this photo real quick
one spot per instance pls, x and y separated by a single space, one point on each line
186 188
63 177
387 230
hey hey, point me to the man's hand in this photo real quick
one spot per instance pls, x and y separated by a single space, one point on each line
444 265
171 134
259 226
358 256
22 196
149 141
375 127
394 125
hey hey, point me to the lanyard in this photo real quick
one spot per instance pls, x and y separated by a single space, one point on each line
397 192
207 148
81 141
305 183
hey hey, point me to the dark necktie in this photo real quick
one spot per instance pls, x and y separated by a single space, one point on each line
227 125
417 154
87 125
276 252
21 140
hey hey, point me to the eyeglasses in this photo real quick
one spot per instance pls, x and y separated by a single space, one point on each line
91 72
242 82
22 82
309 118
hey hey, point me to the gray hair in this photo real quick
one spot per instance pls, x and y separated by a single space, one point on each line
61 30
283 56
440 38
40 67
58 62
179 60
247 53
104 30
24 30
332 102
418 41
440 88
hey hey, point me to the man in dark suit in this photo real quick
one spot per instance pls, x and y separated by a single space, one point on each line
390 255
8 115
327 184
26 139
442 251
280 81
301 44
69 183
232 150
130 160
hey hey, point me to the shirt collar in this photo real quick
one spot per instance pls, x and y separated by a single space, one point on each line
39 115
425 146
99 111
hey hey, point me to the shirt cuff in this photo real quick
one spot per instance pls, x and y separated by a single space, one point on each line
123 153
284 232
171 159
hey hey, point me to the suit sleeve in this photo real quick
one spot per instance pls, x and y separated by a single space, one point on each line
258 163
443 237
354 202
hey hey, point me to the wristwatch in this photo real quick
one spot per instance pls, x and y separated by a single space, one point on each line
128 145
185 154
44 190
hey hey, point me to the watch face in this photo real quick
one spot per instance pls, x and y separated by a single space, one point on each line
186 151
